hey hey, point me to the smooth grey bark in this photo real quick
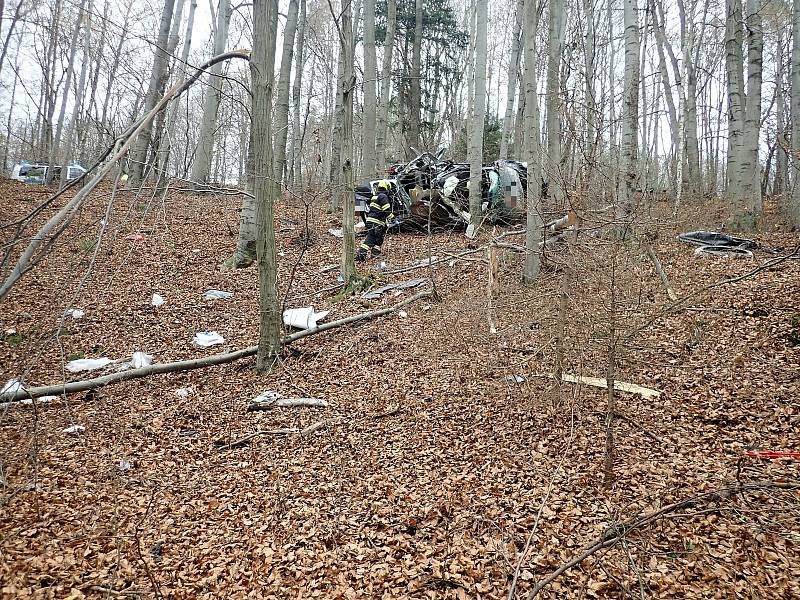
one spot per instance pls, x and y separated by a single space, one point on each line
368 134
736 100
104 125
590 139
158 80
794 205
666 87
381 135
478 117
689 41
781 156
513 75
201 167
630 118
415 109
69 141
556 26
282 101
751 171
295 148
55 155
346 200
262 66
531 151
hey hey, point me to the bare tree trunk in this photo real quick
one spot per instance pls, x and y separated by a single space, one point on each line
347 200
736 101
532 149
630 117
282 102
416 83
205 147
589 95
556 25
158 79
381 135
672 115
296 148
370 72
794 207
479 112
69 144
55 156
265 25
513 71
781 159
751 172
689 43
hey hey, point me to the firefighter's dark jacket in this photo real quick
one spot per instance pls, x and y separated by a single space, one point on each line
379 209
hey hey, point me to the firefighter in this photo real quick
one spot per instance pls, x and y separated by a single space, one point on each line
379 212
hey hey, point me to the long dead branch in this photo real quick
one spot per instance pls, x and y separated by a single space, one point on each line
197 363
57 223
618 532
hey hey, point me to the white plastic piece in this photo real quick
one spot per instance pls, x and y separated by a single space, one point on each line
303 318
516 379
75 429
157 300
87 364
140 359
402 314
12 386
470 231
124 465
216 295
183 392
75 313
207 338
338 233
449 186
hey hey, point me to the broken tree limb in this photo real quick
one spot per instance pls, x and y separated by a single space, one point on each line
620 386
661 273
57 223
618 532
196 363
287 403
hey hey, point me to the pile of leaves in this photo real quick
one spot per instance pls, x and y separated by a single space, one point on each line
444 465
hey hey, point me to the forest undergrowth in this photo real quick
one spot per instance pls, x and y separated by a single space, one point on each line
446 465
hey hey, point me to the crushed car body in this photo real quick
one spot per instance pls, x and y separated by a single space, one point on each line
431 189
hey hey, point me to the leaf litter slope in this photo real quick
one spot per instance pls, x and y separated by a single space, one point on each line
432 470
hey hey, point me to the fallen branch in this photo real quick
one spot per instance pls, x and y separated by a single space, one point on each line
660 271
618 532
58 222
196 363
619 386
286 403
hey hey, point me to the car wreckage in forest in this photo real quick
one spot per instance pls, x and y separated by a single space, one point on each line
430 189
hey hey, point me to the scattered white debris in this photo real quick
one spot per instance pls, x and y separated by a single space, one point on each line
124 465
272 399
75 313
157 300
359 225
75 429
12 386
183 392
207 338
425 261
516 379
87 364
26 401
336 233
216 295
140 359
303 318
402 314
328 268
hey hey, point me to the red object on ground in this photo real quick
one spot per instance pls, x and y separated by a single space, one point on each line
771 454
135 237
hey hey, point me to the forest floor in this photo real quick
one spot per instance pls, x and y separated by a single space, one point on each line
437 474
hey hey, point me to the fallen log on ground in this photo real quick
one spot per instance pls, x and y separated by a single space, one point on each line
197 363
620 531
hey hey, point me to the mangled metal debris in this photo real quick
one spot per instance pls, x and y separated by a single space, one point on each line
429 189
712 243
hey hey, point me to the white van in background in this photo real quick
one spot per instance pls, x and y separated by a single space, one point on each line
36 172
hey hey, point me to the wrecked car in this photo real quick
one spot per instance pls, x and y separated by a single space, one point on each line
429 187
36 172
